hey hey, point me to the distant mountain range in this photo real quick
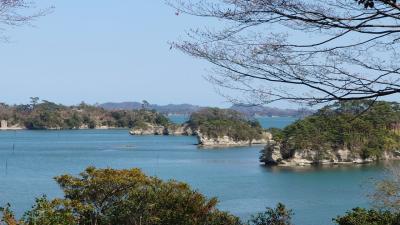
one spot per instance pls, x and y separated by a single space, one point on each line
186 109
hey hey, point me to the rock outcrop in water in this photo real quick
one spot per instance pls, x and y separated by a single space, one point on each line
223 127
344 133
152 129
203 140
274 155
213 128
225 140
4 126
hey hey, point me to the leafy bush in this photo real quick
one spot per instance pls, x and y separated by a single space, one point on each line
123 197
273 216
360 216
129 197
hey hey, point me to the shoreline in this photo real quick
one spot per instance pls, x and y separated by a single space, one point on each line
12 128
61 129
330 164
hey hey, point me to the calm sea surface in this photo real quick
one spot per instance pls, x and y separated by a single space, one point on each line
234 175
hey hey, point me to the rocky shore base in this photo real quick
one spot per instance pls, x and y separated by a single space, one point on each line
151 129
229 141
203 139
274 155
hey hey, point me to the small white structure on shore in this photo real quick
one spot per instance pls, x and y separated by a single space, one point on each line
3 124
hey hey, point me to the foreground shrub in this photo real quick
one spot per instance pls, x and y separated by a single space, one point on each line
129 197
273 216
360 216
123 197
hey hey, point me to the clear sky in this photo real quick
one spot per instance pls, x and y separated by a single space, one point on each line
100 51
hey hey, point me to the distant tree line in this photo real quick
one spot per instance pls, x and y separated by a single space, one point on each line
49 115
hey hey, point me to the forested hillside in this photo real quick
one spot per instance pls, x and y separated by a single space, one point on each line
49 115
355 130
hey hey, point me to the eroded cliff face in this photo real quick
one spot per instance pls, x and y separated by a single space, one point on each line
4 125
204 140
150 129
274 154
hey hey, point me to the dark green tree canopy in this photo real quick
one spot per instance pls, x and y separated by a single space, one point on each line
355 125
123 197
215 122
49 115
360 216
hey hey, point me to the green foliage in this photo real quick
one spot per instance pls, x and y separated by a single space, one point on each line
129 197
277 134
7 217
273 216
125 197
55 212
215 122
48 115
356 125
360 216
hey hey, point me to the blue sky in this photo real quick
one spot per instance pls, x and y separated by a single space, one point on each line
100 51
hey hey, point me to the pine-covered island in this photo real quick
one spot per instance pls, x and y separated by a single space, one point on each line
342 133
213 127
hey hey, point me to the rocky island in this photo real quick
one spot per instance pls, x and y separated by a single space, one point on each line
213 127
226 127
344 133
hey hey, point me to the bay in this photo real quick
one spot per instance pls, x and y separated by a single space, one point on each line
234 175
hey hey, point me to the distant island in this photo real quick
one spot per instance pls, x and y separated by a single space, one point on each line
49 115
213 127
188 109
348 132
217 127
343 133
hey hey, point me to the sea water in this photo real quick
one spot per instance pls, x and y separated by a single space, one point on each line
30 159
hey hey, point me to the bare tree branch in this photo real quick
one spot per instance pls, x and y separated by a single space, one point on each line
18 13
299 50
